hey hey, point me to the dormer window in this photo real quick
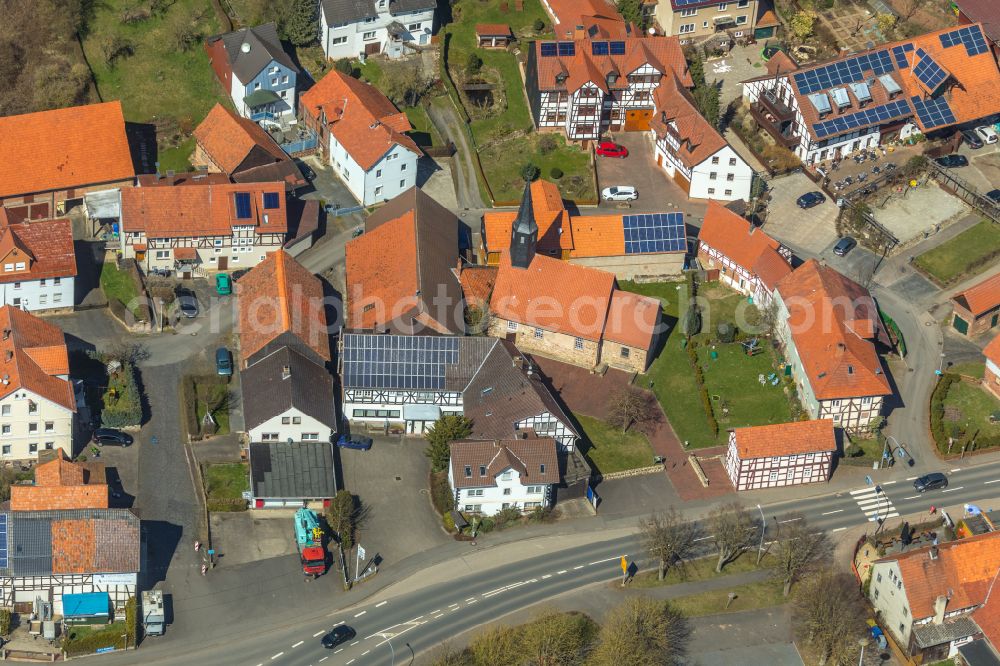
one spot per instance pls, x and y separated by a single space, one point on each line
468 471
482 470
612 77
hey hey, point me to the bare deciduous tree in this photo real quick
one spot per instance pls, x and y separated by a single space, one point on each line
732 529
404 83
828 614
799 551
668 538
557 639
499 645
642 632
628 407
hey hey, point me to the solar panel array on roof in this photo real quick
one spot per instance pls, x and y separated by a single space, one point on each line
899 53
548 49
840 97
657 232
599 48
838 73
865 118
970 36
242 205
566 48
683 3
396 361
928 72
617 48
4 563
933 112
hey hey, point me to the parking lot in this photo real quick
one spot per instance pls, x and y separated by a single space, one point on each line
122 467
812 230
657 193
983 171
392 481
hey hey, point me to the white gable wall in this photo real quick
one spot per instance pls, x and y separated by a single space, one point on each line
277 430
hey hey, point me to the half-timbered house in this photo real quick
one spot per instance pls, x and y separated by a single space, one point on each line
829 326
784 454
191 228
748 260
408 382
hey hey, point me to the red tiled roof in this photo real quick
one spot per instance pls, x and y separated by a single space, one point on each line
185 253
45 247
746 245
980 298
976 95
229 139
63 149
825 310
361 118
986 12
34 357
785 439
663 53
279 295
781 63
963 570
172 211
599 19
525 456
551 217
493 30
477 284
677 113
62 484
987 617
554 295
632 319
992 350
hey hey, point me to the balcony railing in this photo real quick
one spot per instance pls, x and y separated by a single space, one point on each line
780 129
779 109
263 115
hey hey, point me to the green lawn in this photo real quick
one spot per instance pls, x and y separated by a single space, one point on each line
964 255
177 158
502 162
424 132
974 406
224 485
117 284
158 84
700 569
732 377
751 596
609 450
371 71
974 369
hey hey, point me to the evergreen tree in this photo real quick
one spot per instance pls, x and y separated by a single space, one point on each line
300 26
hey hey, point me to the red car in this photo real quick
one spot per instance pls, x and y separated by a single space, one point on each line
609 149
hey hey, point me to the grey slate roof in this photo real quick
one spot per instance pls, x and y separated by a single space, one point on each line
502 393
929 635
349 11
297 470
73 541
309 388
265 46
979 653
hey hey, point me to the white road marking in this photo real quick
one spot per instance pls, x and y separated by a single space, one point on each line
338 623
361 613
338 650
452 605
318 633
470 599
951 490
839 529
993 481
379 605
579 567
911 497
472 602
297 644
546 576
365 652
355 643
830 512
414 619
561 572
888 483
438 615
957 469
790 520
705 537
863 491
276 656
323 659
438 610
910 478
610 559
453 609
349 663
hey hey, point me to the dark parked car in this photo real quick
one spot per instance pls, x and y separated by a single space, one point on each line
110 437
188 303
240 273
307 171
223 362
338 635
972 139
952 161
810 199
931 481
994 196
844 245
354 442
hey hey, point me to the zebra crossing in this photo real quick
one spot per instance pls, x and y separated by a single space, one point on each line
874 503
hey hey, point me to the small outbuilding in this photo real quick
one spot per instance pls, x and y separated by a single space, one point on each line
784 454
494 35
87 608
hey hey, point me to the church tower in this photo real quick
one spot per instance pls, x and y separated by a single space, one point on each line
524 232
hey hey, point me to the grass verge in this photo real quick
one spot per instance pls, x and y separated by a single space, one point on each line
224 486
751 596
117 285
700 569
610 450
965 255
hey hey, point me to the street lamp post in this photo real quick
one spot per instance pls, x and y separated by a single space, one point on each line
863 642
885 447
763 526
940 365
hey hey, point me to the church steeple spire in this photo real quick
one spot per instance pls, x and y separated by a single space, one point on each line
524 232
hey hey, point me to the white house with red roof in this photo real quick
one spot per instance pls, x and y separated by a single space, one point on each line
748 260
692 151
363 135
357 28
991 376
829 326
921 85
489 476
37 263
37 403
780 455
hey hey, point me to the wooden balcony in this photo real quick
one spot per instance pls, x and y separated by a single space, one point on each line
777 119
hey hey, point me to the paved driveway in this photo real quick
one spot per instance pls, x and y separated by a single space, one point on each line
392 481
327 186
983 171
811 230
657 193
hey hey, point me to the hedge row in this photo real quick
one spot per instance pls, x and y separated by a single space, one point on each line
114 636
699 377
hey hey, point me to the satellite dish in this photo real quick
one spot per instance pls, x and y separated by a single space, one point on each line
652 31
245 47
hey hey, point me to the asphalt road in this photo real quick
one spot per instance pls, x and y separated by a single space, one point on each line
425 618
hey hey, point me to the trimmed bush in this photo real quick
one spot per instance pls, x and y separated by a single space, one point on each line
122 407
530 172
441 495
75 644
538 25
556 173
4 621
727 332
449 523
938 431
